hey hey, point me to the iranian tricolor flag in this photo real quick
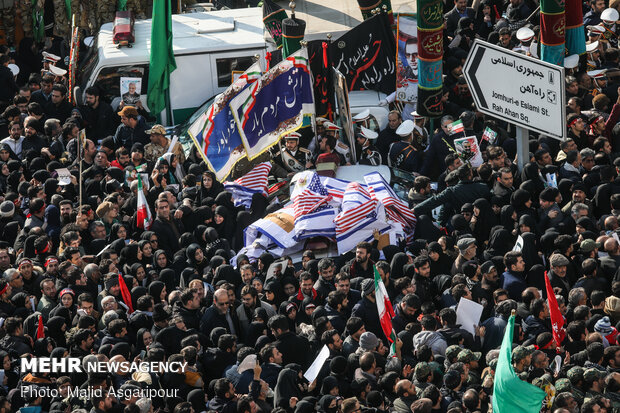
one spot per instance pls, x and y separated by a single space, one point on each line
145 219
489 135
456 127
386 312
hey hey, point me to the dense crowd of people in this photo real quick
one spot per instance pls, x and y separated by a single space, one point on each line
80 277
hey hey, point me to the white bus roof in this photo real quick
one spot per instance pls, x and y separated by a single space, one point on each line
236 29
193 33
335 17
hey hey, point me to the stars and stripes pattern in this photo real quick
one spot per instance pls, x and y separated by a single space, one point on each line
313 198
396 209
254 182
357 207
335 187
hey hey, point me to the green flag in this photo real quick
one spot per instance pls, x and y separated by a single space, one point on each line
162 57
511 394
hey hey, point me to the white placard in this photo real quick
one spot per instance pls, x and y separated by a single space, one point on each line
130 90
173 143
519 244
317 364
551 181
248 363
468 315
64 176
558 363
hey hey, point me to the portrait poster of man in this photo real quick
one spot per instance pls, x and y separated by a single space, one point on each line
468 150
130 90
407 59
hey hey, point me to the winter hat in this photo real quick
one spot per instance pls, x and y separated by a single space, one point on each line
368 341
464 243
558 260
368 286
7 209
603 326
487 267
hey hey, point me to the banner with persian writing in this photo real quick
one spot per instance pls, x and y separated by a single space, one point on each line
275 104
366 55
215 132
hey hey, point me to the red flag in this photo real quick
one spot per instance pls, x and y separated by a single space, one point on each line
40 329
557 320
125 293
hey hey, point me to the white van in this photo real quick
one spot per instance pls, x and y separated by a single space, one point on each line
208 48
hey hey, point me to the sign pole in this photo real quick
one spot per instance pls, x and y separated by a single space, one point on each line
523 147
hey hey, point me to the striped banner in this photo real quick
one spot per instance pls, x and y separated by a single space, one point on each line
254 182
552 31
430 35
312 198
275 104
215 132
575 34
397 209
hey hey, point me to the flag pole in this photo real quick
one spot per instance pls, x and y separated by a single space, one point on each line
168 108
80 149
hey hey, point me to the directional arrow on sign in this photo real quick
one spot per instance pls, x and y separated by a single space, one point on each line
516 88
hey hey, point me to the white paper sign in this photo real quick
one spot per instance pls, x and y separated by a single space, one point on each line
551 181
558 363
64 176
518 245
468 315
173 143
317 364
248 363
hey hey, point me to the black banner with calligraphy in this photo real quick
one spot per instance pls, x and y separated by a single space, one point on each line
366 55
273 15
323 84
